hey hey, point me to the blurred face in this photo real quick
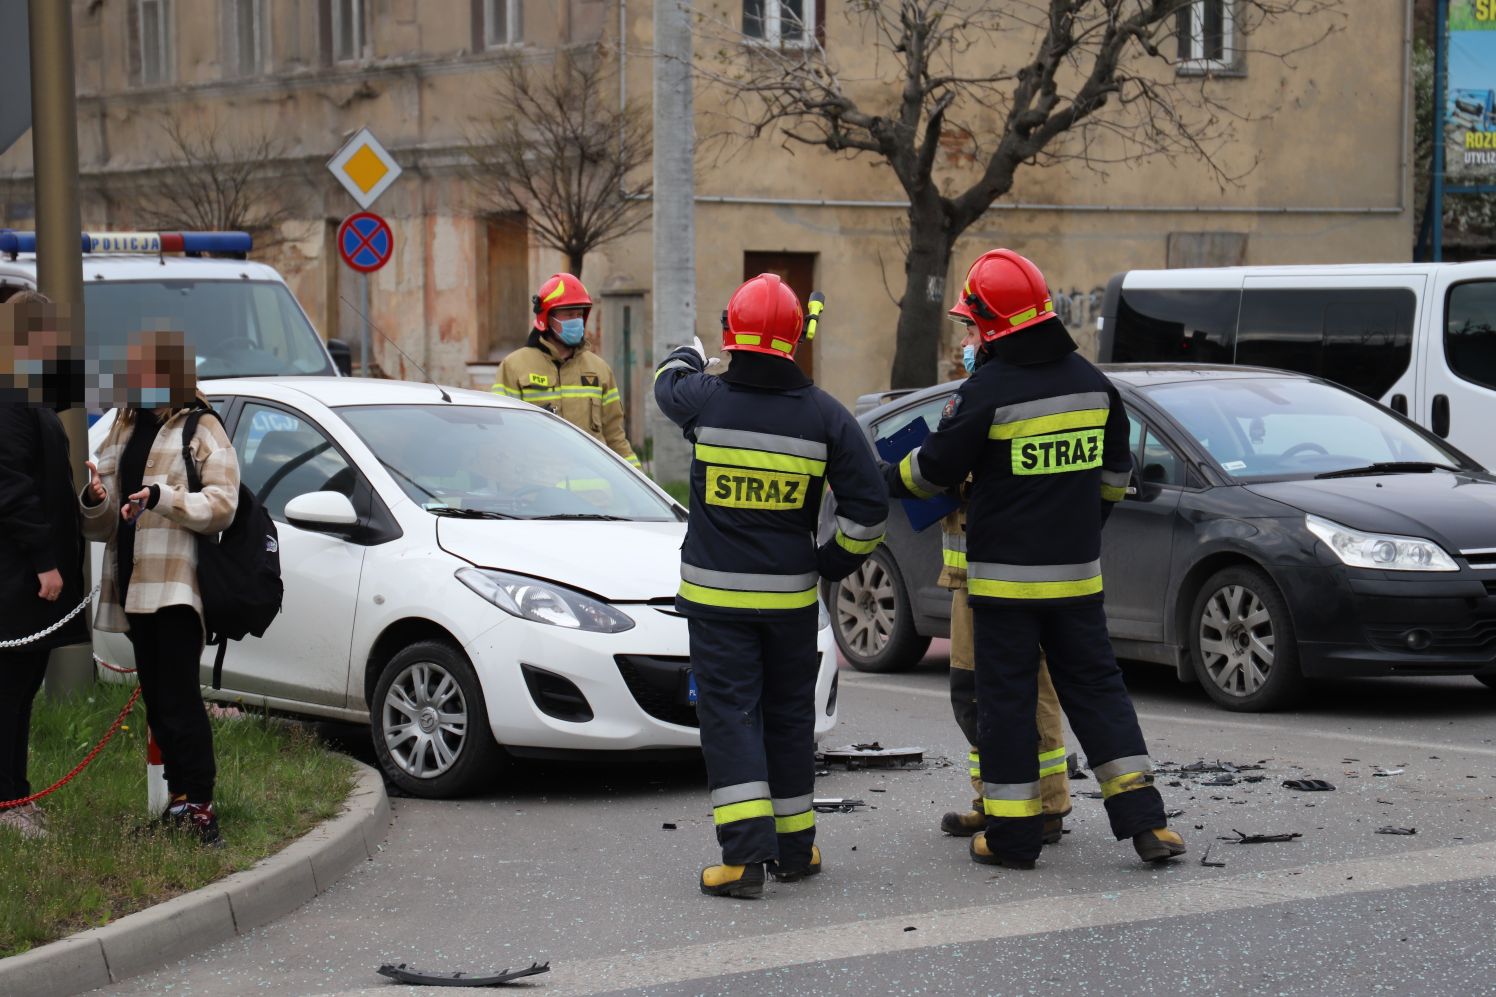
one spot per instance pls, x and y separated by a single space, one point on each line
972 337
157 372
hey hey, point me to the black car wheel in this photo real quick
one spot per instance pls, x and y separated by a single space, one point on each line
872 619
429 722
1242 642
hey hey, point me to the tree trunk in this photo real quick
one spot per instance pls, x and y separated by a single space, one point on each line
574 262
916 360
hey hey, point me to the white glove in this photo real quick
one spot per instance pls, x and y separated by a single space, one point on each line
707 364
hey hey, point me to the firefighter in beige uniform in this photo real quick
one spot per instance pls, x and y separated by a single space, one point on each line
557 371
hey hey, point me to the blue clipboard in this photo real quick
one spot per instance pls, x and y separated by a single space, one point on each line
922 513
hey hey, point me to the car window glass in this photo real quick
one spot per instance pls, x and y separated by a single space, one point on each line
282 456
1159 464
1194 326
1361 338
927 410
1470 332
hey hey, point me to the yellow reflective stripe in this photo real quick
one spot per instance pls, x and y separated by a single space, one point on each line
634 460
1089 418
1126 783
731 599
1052 762
782 346
735 457
1024 316
506 390
1012 808
795 822
1033 590
580 390
611 397
1049 756
857 546
906 474
954 558
747 340
559 290
747 810
1111 493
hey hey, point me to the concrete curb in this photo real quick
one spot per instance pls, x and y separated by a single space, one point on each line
271 888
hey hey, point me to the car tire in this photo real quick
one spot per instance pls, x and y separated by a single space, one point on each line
429 722
872 619
1242 642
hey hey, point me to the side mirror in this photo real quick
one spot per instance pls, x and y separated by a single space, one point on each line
342 356
321 512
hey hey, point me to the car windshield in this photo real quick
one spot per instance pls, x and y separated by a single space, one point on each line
479 461
238 328
1280 428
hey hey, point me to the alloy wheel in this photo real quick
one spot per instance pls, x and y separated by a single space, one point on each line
1236 640
865 609
424 720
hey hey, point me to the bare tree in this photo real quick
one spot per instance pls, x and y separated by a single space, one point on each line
557 147
955 124
221 183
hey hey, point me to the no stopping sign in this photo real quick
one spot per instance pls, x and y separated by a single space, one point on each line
365 241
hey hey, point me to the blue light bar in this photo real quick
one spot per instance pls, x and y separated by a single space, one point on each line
154 243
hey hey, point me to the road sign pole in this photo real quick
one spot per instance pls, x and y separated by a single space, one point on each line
366 338
1441 46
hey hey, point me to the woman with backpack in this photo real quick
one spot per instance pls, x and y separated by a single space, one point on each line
41 549
138 500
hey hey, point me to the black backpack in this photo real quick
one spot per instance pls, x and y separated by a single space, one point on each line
238 573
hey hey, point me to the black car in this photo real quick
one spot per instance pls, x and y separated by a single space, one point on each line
1278 527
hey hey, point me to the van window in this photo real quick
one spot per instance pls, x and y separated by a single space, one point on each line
1174 326
1470 332
1361 338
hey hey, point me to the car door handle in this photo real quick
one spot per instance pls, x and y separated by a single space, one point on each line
1400 404
1440 420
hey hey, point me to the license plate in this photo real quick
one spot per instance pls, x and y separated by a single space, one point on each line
690 687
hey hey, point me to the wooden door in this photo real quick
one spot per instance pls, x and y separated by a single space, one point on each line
798 270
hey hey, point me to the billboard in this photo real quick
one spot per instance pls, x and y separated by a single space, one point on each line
1470 107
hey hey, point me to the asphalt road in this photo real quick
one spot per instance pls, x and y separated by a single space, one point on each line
572 864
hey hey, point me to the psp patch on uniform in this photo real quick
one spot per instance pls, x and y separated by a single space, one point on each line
951 404
590 381
541 380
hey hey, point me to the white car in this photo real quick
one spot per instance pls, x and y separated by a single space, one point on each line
467 576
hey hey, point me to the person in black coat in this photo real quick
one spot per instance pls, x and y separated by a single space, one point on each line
41 573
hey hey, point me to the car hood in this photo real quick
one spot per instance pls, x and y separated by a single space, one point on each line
1457 509
627 562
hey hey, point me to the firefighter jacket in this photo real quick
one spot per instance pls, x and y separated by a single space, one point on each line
1043 434
953 550
767 442
580 390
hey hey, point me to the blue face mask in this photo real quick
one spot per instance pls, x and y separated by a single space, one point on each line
155 398
969 358
31 368
573 331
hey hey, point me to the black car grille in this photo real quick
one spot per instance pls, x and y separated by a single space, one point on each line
1478 637
658 685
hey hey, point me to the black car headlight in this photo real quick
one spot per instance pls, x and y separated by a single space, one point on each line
1360 549
544 602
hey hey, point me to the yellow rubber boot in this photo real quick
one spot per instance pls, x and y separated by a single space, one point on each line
742 881
795 875
1158 845
982 855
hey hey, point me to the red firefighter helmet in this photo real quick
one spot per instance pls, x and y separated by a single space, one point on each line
560 290
1004 293
763 316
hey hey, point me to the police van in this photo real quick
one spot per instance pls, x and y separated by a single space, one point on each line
1420 338
238 317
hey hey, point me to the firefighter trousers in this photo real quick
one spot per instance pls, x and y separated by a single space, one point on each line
755 685
1054 781
1090 687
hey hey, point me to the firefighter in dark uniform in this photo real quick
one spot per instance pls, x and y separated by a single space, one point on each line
1044 435
767 442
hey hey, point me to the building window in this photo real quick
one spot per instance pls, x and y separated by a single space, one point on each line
780 22
154 28
1207 36
501 23
347 30
244 37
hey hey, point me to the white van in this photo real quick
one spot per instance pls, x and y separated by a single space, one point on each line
1418 337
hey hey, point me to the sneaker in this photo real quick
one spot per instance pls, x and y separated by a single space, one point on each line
25 821
742 881
175 813
202 821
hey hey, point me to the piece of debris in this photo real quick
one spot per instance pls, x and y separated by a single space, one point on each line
667 826
1072 767
1174 813
870 755
1262 839
911 928
1221 780
1397 830
1205 859
405 973
1094 796
877 789
1254 778
835 804
1309 785
1387 772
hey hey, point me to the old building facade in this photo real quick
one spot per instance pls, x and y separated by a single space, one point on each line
1320 147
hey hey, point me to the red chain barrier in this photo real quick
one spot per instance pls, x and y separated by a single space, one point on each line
114 668
113 728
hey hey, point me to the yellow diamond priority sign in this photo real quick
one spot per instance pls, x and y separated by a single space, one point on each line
364 168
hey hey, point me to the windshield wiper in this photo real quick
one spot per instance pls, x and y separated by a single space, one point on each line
1389 467
456 513
601 517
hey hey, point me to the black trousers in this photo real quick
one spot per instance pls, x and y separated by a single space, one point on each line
1095 699
21 674
756 702
168 644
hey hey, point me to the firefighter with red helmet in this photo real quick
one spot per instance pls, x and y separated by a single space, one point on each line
1044 436
767 442
557 371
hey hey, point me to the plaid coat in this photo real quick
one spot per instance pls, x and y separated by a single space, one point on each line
165 571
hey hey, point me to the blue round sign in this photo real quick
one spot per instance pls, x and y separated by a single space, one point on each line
365 241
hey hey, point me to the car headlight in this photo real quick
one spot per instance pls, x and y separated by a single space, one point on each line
1378 550
544 602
